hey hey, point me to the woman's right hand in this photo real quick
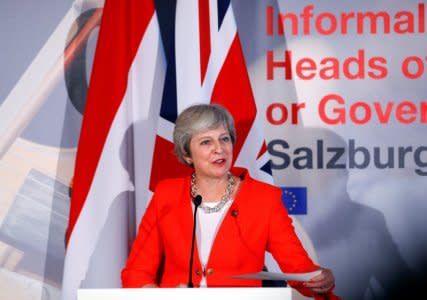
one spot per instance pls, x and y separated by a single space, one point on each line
182 285
153 285
150 285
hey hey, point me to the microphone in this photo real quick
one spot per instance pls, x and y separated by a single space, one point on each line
197 201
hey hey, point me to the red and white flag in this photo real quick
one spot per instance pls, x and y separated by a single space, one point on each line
114 153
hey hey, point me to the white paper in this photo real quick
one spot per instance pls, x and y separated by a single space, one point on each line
279 276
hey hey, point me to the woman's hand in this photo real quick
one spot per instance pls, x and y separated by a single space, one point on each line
153 285
321 283
150 285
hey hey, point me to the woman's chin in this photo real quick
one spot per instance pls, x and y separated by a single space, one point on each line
221 171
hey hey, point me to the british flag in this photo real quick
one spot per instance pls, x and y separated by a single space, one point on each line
205 64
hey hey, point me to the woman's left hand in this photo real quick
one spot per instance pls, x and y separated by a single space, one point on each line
321 283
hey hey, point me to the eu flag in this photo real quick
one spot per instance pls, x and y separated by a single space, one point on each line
295 200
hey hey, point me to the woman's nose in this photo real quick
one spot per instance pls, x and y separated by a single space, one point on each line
218 147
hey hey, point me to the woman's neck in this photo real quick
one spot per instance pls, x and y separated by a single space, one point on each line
211 189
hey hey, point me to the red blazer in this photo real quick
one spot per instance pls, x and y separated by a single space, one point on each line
256 222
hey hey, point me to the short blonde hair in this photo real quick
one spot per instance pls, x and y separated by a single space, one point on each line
199 118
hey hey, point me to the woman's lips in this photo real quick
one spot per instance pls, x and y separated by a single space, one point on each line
219 161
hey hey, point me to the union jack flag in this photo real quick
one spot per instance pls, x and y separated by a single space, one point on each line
205 64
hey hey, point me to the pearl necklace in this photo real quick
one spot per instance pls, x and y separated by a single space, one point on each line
224 199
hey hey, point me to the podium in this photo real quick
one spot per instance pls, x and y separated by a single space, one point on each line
187 294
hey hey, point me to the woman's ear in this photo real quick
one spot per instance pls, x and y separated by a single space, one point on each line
188 160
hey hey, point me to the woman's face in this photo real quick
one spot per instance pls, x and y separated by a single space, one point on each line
212 152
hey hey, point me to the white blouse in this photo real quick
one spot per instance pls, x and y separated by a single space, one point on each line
207 228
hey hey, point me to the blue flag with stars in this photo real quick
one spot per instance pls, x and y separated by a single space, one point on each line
295 200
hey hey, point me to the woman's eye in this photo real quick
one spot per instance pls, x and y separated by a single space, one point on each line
226 139
205 142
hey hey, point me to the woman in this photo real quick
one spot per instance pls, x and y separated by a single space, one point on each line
238 220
